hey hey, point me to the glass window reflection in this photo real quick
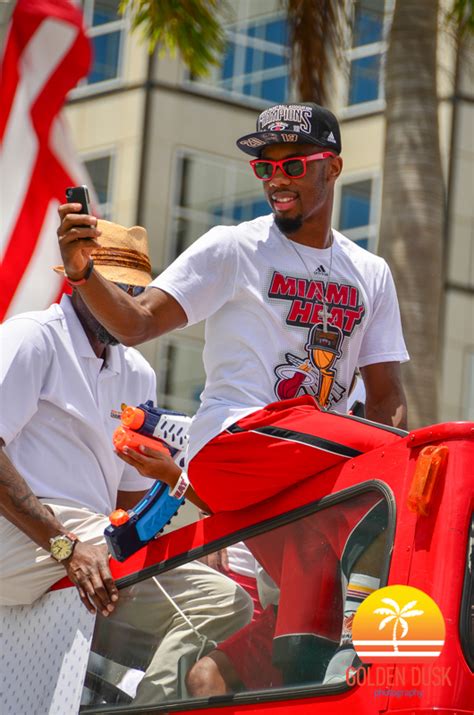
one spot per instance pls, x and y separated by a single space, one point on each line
358 211
286 597
212 191
365 80
106 30
368 22
355 204
183 376
100 172
256 60
368 48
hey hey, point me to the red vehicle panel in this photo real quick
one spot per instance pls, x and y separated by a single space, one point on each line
431 508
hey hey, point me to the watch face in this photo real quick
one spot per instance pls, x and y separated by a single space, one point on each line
61 547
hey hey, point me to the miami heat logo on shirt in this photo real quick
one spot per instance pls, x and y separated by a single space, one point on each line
316 372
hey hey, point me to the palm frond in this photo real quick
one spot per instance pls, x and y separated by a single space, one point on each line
461 15
191 27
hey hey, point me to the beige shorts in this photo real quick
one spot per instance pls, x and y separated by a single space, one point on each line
26 570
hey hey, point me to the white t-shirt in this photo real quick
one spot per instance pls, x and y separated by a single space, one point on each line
262 303
56 397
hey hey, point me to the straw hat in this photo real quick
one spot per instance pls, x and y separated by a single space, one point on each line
123 254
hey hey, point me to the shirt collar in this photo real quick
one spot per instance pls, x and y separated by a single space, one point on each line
80 341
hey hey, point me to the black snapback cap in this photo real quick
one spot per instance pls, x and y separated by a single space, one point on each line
305 123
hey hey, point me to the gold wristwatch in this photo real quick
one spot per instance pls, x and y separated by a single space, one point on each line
62 546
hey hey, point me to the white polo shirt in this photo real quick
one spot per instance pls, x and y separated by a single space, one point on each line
56 397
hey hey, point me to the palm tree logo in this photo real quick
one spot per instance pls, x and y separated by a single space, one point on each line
398 616
398 623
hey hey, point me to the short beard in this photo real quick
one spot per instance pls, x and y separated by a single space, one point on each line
288 225
104 336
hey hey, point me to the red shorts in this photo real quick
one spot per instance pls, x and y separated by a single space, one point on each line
267 452
250 651
276 447
305 558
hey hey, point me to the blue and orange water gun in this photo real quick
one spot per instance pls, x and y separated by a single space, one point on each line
158 429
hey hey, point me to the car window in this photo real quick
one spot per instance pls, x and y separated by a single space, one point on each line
271 612
466 625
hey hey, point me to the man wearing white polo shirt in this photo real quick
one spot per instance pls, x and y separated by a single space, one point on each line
61 373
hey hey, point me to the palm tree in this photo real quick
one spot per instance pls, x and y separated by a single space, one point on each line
398 616
413 211
413 198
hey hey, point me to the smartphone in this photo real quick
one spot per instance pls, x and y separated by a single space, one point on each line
79 195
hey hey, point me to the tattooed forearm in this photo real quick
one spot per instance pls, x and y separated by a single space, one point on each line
21 507
22 499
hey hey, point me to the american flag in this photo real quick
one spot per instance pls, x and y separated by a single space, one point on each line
46 54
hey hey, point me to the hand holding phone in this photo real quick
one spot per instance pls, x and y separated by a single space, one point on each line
79 195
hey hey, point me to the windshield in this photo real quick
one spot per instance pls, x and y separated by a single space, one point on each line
272 611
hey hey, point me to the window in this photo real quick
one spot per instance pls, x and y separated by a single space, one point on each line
358 206
466 624
256 60
468 407
106 30
182 375
211 191
366 53
100 171
299 567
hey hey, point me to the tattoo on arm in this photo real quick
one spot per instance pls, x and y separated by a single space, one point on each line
20 506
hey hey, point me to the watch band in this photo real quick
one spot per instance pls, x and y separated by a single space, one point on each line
71 536
85 277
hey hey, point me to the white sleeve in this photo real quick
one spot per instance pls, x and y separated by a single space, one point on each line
25 351
383 340
203 277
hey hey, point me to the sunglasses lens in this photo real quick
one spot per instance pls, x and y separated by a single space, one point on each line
263 169
294 167
130 289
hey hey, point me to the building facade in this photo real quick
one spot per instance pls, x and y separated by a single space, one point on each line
160 149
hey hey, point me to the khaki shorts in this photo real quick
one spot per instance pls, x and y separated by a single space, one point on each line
27 570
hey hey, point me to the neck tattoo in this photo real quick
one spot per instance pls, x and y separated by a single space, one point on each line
322 293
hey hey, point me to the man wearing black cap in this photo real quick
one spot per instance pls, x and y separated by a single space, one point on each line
265 288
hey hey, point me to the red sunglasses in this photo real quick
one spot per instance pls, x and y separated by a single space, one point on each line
293 167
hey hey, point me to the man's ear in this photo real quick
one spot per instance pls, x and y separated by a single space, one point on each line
335 167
